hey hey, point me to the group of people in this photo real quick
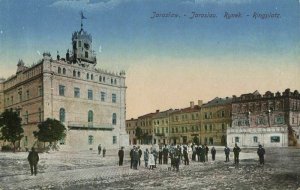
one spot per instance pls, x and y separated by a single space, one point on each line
180 153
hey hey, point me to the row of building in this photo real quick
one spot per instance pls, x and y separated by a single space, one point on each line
250 119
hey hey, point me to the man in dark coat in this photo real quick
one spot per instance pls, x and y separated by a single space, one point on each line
185 155
198 152
236 151
104 152
177 155
213 153
33 159
136 158
202 154
99 149
131 157
140 155
227 152
261 152
160 153
121 156
206 153
165 154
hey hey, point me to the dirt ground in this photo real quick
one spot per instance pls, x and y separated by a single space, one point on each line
88 170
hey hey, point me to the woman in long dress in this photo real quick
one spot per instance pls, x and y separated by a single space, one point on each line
151 160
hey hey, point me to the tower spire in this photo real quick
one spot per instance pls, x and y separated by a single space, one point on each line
82 17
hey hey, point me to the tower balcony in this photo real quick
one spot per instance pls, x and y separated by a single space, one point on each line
78 125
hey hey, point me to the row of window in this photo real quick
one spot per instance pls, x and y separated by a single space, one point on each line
26 116
91 140
21 95
62 90
185 117
90 116
273 139
88 76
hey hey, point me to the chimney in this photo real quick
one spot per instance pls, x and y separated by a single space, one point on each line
192 104
157 111
200 102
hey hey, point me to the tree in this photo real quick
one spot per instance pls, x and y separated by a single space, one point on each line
11 128
138 133
50 131
196 140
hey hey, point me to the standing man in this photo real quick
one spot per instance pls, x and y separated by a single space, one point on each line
261 152
146 157
227 152
165 154
160 153
99 149
33 159
213 153
140 155
131 157
236 151
104 152
185 155
136 157
121 156
206 153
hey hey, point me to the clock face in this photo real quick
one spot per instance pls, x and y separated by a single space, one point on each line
86 46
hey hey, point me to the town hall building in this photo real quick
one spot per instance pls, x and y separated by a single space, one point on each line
90 102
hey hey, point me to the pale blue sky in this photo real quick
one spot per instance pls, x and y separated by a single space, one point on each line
128 38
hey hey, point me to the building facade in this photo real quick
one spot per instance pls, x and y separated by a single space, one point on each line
271 120
216 118
90 102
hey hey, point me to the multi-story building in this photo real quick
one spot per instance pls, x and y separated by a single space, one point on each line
161 123
216 118
131 126
269 119
185 124
90 102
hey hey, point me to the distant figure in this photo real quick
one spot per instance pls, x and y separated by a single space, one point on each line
146 157
227 152
213 153
206 153
236 151
165 154
185 155
99 149
160 156
261 152
121 156
151 161
33 159
136 158
140 155
131 157
202 154
104 151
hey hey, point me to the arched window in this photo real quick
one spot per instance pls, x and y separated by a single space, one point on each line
64 71
90 116
115 81
59 70
87 76
114 118
74 73
103 79
78 74
100 78
62 115
111 81
92 77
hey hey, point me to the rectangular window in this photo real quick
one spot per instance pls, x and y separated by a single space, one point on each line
223 114
275 139
237 139
90 140
103 94
77 92
61 90
114 139
255 139
40 90
79 44
27 94
90 94
86 54
114 98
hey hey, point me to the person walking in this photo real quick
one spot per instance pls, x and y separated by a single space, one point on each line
104 152
213 153
236 151
33 159
227 152
261 152
121 156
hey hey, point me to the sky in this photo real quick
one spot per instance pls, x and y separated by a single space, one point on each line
169 61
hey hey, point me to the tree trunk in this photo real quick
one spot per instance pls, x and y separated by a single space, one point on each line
14 146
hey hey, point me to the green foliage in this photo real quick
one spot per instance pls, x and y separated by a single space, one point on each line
50 130
11 128
196 140
138 133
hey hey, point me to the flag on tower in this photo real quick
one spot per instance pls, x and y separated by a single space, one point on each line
82 17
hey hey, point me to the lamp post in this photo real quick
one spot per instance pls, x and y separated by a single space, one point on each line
269 113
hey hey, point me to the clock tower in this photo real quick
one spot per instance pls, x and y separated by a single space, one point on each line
82 46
